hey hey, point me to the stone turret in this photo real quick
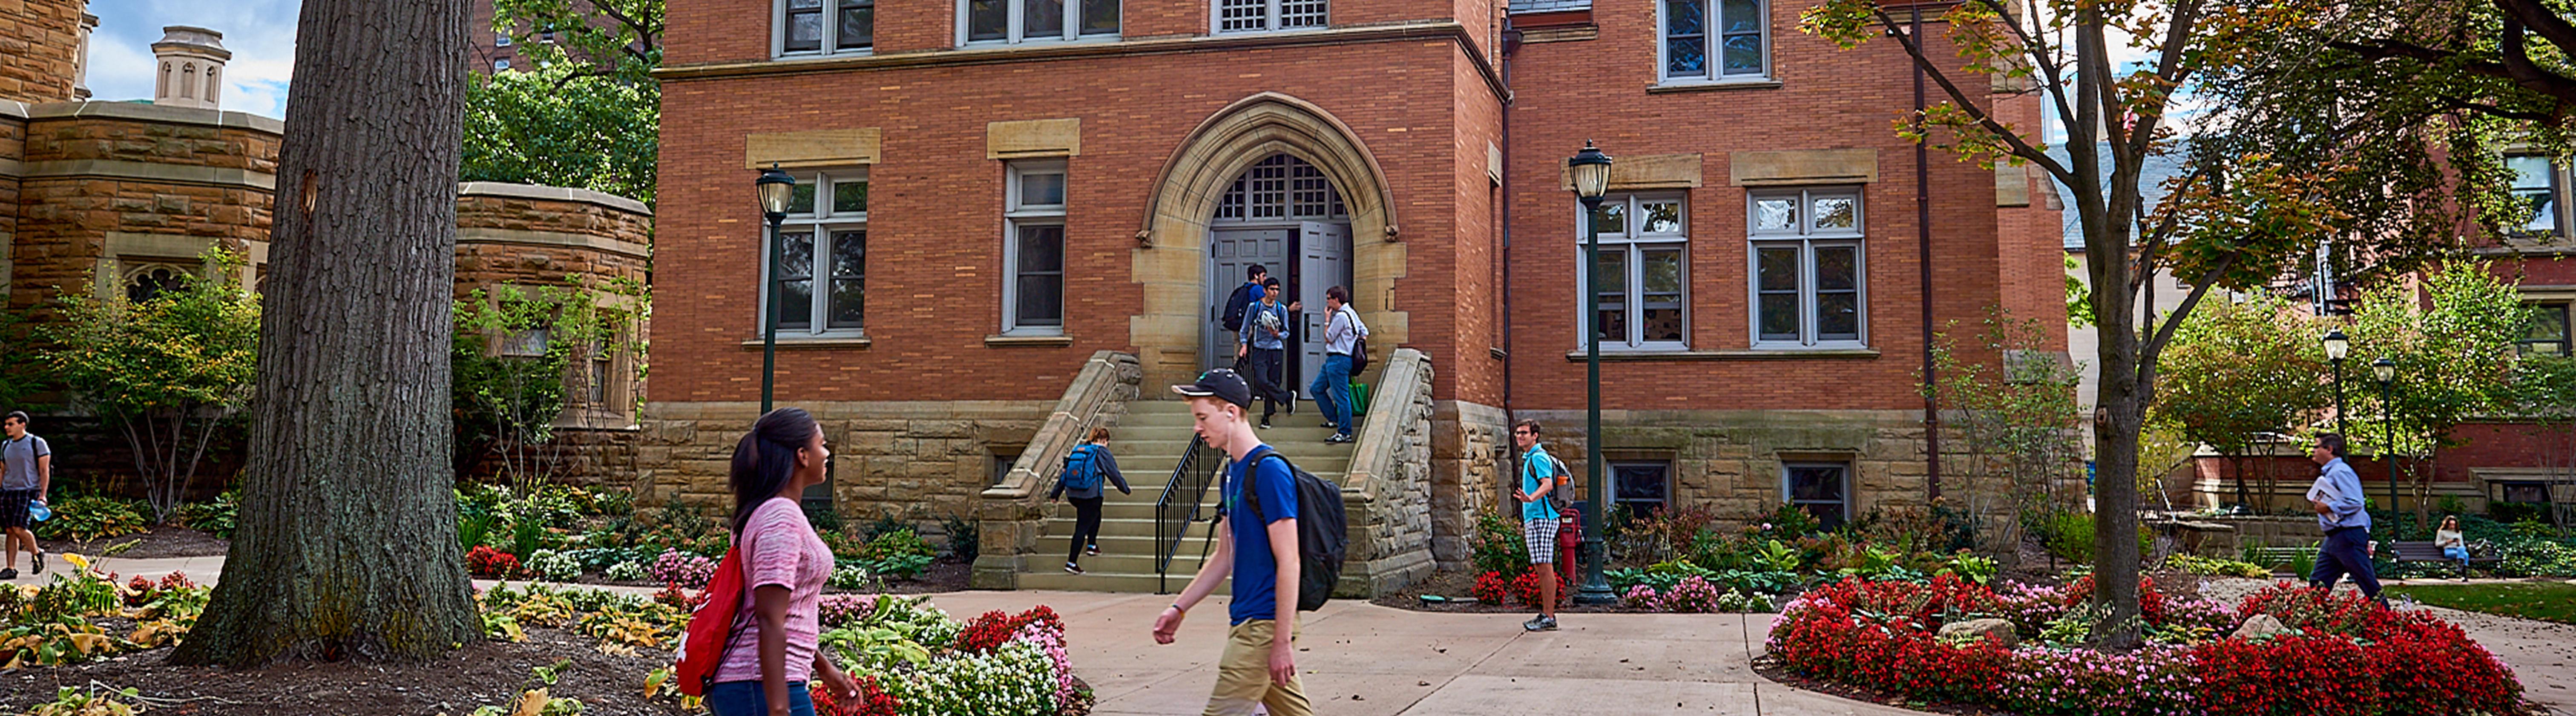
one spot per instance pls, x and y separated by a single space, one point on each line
191 67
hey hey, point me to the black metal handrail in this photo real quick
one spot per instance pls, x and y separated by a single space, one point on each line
1199 470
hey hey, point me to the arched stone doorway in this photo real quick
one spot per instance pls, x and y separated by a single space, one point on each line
1171 259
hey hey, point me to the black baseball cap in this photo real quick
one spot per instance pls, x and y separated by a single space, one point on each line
1221 383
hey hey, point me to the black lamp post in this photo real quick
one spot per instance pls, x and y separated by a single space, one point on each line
774 187
2386 371
2336 348
1590 170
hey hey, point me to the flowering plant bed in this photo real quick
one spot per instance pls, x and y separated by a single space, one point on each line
919 662
2285 651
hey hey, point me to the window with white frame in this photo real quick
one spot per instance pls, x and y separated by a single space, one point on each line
501 64
826 27
1643 285
1017 21
500 39
2548 334
2533 184
822 253
1268 15
1033 249
1643 488
1808 269
1715 40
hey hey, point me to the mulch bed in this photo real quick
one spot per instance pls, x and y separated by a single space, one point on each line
946 575
484 674
160 542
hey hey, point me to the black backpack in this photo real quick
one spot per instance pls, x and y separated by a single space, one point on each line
1236 305
1359 344
1321 542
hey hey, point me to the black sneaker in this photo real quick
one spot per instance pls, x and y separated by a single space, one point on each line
1071 568
1091 550
1339 438
1540 623
1265 425
40 563
8 574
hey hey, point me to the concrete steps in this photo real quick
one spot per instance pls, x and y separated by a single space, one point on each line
1149 442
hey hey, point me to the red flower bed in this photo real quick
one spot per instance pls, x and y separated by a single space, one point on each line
1494 588
2345 656
995 628
489 563
872 701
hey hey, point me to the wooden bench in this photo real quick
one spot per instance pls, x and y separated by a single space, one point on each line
2426 552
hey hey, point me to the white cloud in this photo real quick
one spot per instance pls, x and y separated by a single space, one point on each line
260 33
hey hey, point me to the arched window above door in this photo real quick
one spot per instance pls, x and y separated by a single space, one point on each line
1281 188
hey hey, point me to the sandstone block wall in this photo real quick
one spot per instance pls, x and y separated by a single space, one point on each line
1731 460
1471 465
538 235
40 44
910 460
1387 497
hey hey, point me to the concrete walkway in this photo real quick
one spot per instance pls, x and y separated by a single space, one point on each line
1360 659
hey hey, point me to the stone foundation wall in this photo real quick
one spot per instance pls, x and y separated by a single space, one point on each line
13 147
536 235
1731 460
1387 496
910 460
1470 466
1008 514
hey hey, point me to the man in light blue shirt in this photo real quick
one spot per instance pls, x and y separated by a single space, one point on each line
1539 478
2336 498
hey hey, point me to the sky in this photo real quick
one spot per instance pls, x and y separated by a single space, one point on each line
260 33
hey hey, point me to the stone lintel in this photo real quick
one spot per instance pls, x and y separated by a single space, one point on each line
814 148
1802 166
2012 186
1020 139
551 193
1649 171
483 235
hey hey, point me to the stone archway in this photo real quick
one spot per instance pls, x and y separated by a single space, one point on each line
1171 255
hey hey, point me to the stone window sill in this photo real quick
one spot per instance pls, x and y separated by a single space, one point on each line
1028 341
1609 356
813 342
1672 87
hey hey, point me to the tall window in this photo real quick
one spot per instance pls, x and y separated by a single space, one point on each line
824 27
2548 331
1033 249
1715 40
1823 489
2532 184
1267 15
822 272
1643 287
1808 268
1015 21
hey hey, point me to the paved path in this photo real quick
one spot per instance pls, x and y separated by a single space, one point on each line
1361 659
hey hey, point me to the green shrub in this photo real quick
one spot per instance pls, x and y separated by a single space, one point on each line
2069 536
215 518
1791 522
527 535
1498 546
821 516
474 526
2511 512
883 526
900 553
2216 567
964 540
92 517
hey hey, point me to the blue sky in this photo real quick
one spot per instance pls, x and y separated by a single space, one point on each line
261 34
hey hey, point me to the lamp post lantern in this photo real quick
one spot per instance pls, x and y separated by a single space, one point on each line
2385 371
1590 170
2337 346
774 188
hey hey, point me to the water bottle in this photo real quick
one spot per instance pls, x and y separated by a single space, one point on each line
37 511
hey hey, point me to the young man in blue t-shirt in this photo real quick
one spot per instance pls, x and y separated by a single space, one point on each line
1538 519
1260 551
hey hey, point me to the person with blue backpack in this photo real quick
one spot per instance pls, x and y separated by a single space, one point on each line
1084 469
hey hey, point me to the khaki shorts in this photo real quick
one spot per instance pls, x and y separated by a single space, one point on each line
1243 676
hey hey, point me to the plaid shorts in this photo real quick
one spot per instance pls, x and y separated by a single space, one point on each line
1540 536
13 507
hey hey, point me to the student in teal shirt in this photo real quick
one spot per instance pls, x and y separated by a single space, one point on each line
1539 476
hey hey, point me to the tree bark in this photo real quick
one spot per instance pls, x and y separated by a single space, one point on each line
347 541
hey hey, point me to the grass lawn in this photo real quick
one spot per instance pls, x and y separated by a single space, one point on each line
2546 601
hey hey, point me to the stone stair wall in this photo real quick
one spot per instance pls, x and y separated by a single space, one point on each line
1008 515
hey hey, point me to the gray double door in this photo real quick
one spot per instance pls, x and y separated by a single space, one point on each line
1307 258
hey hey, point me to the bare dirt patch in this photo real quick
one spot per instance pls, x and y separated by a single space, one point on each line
483 674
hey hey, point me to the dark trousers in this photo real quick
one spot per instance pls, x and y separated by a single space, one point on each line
2346 551
1265 379
1086 525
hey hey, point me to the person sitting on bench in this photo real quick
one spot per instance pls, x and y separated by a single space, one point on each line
2448 538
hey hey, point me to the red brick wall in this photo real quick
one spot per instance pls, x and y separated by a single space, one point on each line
39 45
1572 91
708 31
2536 270
935 204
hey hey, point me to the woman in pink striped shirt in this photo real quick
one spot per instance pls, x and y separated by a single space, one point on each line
777 647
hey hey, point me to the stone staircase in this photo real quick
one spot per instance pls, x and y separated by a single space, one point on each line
1149 442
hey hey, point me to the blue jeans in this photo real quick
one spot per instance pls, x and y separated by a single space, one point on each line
1332 389
745 698
2458 553
2346 551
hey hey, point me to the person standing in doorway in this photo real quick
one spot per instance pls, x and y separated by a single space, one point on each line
2336 498
1538 519
1084 472
1332 387
26 476
1239 303
1264 344
1256 545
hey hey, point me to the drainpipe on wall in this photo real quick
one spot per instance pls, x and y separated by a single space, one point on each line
1511 44
1923 256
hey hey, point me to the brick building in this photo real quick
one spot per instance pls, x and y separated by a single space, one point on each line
999 201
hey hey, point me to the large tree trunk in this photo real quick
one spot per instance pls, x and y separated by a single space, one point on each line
347 541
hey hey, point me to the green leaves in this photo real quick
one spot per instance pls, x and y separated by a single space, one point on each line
2452 339
559 125
2239 369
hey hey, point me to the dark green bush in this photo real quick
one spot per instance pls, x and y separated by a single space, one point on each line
92 517
215 518
964 540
